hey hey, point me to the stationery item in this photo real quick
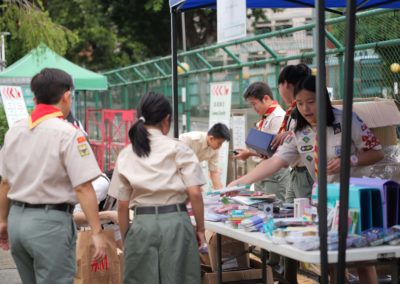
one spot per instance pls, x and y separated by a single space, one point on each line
229 189
213 217
286 222
390 196
260 142
245 200
368 201
300 205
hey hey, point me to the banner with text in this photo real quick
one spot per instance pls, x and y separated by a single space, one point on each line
220 111
14 103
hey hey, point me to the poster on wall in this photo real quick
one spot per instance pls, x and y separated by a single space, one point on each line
14 103
220 111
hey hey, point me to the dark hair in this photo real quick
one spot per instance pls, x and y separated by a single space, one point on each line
153 108
258 90
50 84
309 84
219 131
294 73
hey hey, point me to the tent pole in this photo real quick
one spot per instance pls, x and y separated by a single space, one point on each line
322 115
174 62
346 136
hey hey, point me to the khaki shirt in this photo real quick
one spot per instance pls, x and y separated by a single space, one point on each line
197 141
44 164
302 143
159 179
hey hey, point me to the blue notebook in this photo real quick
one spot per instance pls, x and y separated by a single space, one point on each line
260 142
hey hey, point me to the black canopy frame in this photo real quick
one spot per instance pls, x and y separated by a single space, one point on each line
350 11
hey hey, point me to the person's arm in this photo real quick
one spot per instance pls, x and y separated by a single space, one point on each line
80 218
244 154
87 199
196 199
365 158
123 217
215 179
4 209
279 139
264 169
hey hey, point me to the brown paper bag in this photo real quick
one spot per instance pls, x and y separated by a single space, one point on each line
108 271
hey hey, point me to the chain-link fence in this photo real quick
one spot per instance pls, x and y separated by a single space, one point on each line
260 58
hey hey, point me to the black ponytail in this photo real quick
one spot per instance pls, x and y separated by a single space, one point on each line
153 108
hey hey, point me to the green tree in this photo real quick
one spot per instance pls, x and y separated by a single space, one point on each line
29 26
98 45
3 125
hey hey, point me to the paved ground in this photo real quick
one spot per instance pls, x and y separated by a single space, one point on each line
8 272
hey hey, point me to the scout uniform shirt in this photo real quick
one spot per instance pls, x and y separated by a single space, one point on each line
270 123
302 143
43 160
273 119
197 141
159 179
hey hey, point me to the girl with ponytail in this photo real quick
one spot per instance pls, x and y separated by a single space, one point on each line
155 177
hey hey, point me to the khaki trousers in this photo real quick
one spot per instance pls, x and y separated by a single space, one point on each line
42 245
161 249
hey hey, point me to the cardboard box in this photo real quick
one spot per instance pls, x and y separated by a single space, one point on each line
381 115
248 274
231 248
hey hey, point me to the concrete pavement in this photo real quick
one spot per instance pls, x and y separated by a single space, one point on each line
8 271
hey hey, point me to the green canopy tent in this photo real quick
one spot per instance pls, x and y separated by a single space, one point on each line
21 72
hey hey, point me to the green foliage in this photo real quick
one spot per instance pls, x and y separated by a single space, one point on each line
3 124
29 26
98 45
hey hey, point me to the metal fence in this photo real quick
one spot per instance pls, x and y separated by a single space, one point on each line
260 58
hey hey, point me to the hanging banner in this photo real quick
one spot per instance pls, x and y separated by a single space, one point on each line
220 111
14 103
231 19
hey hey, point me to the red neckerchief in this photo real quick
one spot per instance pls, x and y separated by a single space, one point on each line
270 110
286 118
43 112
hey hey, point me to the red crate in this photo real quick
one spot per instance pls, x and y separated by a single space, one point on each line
108 133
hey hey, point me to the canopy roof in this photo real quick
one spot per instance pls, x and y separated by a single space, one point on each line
21 72
361 4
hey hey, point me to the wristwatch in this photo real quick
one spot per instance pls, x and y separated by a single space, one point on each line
354 160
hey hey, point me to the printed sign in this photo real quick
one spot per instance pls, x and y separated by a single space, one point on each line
220 111
239 131
231 19
14 103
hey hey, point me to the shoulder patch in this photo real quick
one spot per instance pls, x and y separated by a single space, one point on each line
337 128
83 150
80 139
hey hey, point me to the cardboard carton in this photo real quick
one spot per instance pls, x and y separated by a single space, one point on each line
233 251
248 274
381 115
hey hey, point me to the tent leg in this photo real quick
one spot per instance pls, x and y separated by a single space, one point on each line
322 159
346 136
174 63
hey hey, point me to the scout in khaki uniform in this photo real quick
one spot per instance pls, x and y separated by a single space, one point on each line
366 148
260 97
301 182
46 166
205 145
156 176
